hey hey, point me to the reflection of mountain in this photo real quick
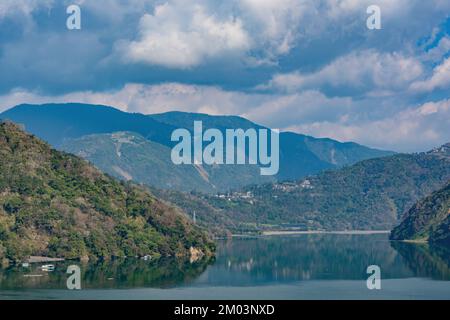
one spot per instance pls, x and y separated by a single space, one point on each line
255 262
424 260
119 274
305 257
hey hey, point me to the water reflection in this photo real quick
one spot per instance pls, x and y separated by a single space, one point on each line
254 262
425 261
247 262
304 257
118 274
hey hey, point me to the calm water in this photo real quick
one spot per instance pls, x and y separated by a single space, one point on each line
278 267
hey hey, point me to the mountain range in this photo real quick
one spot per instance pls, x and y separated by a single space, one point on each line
137 147
322 185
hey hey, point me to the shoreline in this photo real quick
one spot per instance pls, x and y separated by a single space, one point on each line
415 241
347 232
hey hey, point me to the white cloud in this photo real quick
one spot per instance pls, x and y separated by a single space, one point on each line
180 35
274 23
436 53
367 70
440 79
148 99
285 110
339 8
414 129
8 7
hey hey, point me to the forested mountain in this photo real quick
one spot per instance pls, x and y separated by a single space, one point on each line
370 195
428 219
56 204
57 123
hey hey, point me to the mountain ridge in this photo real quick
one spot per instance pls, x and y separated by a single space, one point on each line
65 125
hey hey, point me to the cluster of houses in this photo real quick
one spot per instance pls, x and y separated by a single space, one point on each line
290 186
250 197
236 196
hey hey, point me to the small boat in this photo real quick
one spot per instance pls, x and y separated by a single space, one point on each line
146 258
48 267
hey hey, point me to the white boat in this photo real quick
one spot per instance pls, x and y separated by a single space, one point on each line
48 267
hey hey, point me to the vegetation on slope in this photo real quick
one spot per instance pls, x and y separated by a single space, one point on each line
55 204
370 195
428 219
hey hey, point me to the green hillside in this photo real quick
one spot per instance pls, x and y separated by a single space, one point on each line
55 204
428 219
370 195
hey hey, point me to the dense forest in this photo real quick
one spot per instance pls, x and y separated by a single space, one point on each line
58 205
370 195
428 219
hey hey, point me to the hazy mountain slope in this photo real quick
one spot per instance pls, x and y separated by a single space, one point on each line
300 155
65 125
186 120
56 204
428 219
129 156
55 123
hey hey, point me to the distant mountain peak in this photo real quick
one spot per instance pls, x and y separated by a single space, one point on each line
64 125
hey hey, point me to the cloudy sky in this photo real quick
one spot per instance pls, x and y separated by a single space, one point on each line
309 66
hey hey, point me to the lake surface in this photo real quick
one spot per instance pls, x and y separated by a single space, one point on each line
317 266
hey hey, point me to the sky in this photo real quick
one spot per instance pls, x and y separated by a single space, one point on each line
308 66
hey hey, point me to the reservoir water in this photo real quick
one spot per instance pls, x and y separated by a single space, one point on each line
315 266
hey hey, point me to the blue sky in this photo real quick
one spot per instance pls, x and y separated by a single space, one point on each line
309 66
